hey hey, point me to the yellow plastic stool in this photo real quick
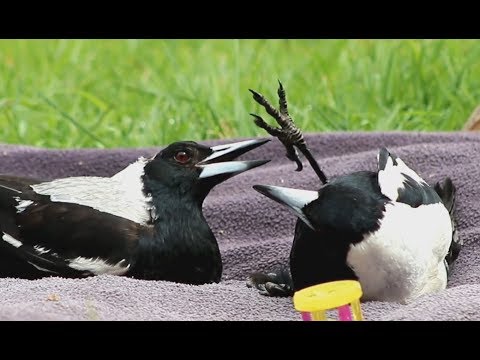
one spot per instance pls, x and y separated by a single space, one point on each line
344 295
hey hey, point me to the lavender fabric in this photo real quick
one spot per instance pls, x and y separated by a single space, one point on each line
254 233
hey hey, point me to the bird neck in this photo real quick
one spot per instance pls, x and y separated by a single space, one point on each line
172 205
319 256
181 247
346 210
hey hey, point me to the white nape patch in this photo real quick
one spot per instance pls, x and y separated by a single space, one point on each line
121 195
22 204
405 257
12 241
98 266
41 269
40 250
391 179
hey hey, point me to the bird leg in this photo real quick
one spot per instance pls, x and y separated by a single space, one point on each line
289 134
275 284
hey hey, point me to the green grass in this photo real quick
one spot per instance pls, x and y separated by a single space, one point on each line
127 93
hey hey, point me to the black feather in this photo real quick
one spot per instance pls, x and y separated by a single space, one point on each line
447 192
41 236
348 210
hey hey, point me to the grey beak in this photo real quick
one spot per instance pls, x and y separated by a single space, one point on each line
295 200
229 168
219 165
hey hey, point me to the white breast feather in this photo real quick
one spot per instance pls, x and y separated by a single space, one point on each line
405 257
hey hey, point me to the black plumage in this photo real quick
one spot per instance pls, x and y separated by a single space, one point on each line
145 222
387 228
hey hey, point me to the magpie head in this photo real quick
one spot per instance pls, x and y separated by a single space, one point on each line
348 204
193 168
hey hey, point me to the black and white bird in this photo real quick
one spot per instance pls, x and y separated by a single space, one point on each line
146 221
387 228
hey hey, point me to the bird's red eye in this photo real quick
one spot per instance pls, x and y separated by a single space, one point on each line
182 157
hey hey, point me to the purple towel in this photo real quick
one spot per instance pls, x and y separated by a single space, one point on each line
254 233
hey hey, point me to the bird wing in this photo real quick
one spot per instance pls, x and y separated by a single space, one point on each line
121 194
400 183
65 238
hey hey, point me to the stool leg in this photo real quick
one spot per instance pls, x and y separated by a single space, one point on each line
344 313
306 316
319 316
357 311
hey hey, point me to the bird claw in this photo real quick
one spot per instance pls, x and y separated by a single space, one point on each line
278 290
288 133
292 155
299 166
269 285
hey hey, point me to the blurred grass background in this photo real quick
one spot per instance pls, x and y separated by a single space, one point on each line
128 93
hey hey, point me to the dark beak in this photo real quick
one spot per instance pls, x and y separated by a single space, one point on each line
295 200
218 166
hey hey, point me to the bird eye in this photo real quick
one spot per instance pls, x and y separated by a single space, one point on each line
182 157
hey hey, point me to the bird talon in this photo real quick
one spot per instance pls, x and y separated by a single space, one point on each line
292 155
299 166
288 133
259 98
271 284
261 287
275 289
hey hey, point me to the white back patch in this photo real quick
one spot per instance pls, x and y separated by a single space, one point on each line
405 257
121 195
12 241
407 171
98 266
391 179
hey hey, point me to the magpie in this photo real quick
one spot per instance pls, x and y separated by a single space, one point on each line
387 229
144 222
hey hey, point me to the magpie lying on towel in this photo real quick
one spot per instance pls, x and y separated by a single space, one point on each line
145 221
387 228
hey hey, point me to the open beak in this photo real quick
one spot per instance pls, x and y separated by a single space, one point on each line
219 166
295 200
227 152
